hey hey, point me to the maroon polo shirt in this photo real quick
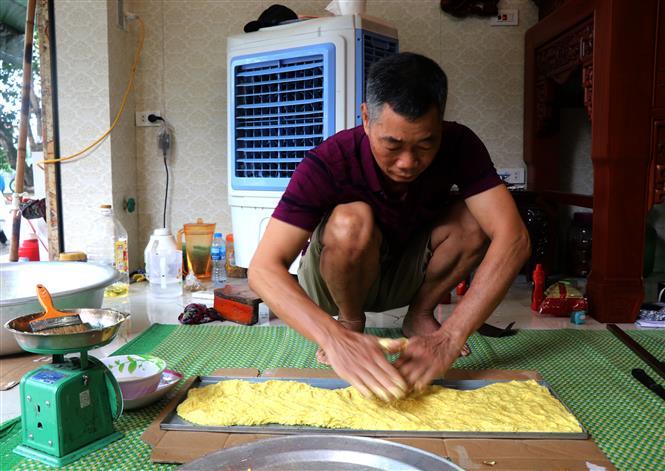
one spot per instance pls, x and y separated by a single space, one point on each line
342 169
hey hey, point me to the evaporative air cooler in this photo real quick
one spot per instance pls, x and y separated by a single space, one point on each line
289 88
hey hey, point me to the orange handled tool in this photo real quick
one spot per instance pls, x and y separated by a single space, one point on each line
64 322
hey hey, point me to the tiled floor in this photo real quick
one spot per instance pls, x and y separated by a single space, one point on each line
146 311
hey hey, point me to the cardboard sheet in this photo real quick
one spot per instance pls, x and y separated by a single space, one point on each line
527 454
13 367
496 454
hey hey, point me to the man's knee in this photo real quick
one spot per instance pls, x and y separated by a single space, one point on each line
351 227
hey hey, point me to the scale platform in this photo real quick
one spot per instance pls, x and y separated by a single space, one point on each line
174 422
51 460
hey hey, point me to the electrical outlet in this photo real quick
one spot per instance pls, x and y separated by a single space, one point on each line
142 118
505 18
512 176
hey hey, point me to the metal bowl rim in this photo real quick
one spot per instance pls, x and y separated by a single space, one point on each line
357 439
124 315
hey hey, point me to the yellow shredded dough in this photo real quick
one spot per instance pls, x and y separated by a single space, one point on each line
515 406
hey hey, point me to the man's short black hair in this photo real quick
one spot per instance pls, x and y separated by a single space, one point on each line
410 83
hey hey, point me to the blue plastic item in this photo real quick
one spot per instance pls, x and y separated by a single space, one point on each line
218 257
578 317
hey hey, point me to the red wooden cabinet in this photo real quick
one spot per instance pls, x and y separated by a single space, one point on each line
619 47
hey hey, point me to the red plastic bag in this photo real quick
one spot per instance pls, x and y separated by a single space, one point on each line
561 299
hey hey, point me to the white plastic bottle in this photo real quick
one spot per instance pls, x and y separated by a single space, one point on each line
163 265
218 256
107 245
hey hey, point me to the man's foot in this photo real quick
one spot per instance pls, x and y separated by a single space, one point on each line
425 324
422 323
354 326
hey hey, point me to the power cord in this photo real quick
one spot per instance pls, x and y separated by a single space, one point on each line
130 83
164 143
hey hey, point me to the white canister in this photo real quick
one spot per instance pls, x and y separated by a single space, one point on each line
163 265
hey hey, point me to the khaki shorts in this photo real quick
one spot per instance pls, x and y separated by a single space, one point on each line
400 274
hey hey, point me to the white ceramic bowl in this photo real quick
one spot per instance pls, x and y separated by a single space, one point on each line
138 375
168 381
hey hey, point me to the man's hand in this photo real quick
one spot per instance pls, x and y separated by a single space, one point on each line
360 360
428 357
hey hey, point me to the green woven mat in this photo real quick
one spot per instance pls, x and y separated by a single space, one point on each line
589 370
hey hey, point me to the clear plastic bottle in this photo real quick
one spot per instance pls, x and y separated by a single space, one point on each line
107 245
218 256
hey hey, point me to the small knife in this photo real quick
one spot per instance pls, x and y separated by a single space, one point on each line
642 376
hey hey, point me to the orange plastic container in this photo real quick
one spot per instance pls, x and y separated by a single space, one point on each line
233 271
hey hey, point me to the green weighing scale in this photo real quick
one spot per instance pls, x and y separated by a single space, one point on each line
68 407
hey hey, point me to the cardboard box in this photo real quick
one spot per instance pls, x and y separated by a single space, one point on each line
13 367
487 454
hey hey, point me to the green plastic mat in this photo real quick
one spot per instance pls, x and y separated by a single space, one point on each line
589 370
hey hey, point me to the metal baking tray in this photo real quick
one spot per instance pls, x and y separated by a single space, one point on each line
174 422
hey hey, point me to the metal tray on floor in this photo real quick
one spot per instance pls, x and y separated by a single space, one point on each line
174 422
321 453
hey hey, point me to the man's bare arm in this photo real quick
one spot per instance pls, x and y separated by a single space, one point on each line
356 358
508 251
430 356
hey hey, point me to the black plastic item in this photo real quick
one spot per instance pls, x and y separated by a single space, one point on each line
464 8
488 330
657 365
271 16
33 209
648 382
579 244
537 223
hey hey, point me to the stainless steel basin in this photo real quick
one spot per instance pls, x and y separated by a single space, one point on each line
73 285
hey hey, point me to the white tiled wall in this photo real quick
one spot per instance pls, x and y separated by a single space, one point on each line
183 74
94 58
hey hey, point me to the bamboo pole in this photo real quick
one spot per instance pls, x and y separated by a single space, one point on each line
49 131
23 127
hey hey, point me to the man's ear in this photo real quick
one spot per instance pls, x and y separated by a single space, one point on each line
364 113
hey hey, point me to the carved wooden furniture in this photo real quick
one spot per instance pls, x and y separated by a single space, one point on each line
614 44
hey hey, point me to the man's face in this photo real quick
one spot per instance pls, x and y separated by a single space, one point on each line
403 149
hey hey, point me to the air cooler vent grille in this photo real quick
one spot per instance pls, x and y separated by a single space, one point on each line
280 114
370 48
376 47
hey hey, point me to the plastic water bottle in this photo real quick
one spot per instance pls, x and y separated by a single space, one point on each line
218 256
107 245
